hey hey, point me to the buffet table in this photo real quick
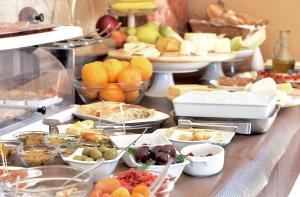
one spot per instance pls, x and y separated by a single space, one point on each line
265 165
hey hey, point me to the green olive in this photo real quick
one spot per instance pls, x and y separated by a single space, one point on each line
79 158
110 154
89 159
87 151
96 154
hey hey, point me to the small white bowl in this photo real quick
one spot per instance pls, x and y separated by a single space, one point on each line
151 140
105 170
148 139
202 165
175 170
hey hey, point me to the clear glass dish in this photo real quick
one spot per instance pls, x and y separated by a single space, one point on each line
46 181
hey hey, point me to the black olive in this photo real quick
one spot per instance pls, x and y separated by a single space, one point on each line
142 154
162 158
154 151
169 149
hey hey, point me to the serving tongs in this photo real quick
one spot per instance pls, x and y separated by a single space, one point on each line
243 127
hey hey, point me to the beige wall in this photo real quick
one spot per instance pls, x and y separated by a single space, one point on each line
282 14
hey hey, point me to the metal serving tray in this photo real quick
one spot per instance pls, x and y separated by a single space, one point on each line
257 125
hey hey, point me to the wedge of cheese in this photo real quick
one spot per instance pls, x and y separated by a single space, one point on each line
202 41
177 90
286 87
222 45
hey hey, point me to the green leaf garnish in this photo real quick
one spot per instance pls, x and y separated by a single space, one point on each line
180 158
147 164
131 151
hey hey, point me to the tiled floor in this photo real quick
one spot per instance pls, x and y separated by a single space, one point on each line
296 189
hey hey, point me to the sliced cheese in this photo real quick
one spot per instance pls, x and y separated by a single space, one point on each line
187 48
266 85
286 87
177 90
202 41
222 45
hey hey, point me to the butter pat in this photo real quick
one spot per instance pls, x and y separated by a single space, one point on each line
222 45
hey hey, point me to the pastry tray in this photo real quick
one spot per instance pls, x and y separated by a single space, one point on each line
257 125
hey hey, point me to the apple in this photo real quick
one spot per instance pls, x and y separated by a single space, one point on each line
119 37
106 20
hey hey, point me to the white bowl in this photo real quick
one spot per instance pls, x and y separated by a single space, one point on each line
202 165
175 170
149 139
105 170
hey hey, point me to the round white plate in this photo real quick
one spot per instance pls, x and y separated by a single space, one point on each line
230 88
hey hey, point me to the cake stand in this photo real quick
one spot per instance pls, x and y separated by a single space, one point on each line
165 66
215 70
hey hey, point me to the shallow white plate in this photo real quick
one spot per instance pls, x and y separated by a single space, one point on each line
227 138
215 83
156 117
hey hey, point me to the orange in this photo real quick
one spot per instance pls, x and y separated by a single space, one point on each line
96 193
144 65
113 67
136 195
105 195
141 189
89 94
130 79
121 192
131 96
94 75
126 64
108 185
112 92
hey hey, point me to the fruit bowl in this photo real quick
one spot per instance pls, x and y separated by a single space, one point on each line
130 93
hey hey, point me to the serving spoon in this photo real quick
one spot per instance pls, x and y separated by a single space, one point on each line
100 162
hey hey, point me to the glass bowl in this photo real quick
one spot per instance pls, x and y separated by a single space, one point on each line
130 93
38 155
11 147
46 181
61 139
31 137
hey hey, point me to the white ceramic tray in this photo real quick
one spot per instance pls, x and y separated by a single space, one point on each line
225 105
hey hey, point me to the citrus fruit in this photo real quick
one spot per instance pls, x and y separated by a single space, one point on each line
113 68
112 92
144 65
108 185
126 64
130 79
94 75
96 193
121 192
89 94
105 195
137 195
131 96
141 189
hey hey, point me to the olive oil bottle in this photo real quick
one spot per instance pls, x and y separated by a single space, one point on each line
283 61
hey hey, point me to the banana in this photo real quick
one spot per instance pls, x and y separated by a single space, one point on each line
139 5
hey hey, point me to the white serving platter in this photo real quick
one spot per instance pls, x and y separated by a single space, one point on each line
221 104
156 117
179 144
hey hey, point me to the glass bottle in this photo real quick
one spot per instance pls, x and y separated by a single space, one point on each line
283 61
